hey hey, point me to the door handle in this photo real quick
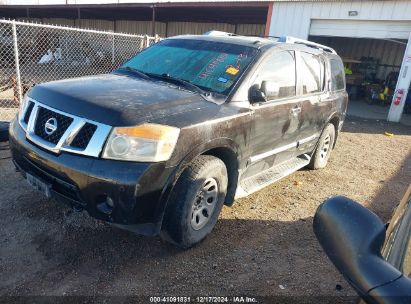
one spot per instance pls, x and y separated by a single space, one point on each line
296 110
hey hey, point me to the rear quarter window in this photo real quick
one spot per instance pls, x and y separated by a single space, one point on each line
337 75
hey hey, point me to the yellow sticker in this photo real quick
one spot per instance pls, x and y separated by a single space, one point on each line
232 71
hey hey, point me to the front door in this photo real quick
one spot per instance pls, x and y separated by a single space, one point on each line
276 121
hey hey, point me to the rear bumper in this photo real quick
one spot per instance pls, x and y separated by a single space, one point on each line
138 190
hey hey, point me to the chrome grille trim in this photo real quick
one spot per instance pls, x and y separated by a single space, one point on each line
94 147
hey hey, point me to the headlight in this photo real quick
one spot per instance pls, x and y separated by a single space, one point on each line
146 142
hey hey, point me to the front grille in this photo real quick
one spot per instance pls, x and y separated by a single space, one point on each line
49 127
43 115
83 137
28 112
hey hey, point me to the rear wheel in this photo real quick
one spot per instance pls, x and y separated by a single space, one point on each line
196 202
323 151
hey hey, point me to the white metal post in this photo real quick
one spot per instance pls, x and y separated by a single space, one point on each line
401 89
141 44
17 63
112 52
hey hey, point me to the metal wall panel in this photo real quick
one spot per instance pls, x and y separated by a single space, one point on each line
162 29
33 20
181 28
59 21
294 18
250 29
140 27
96 24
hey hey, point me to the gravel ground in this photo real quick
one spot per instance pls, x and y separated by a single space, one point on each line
7 108
262 242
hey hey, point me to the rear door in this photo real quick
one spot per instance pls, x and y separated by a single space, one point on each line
315 101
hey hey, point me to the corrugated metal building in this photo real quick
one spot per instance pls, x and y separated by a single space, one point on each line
164 18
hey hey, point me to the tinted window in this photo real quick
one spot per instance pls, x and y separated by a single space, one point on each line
337 75
280 68
213 66
311 73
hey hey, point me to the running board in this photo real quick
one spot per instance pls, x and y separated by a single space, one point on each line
269 176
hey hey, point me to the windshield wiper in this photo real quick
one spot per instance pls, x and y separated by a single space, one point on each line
135 71
182 82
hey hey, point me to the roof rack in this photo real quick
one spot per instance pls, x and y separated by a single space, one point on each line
290 39
283 39
218 33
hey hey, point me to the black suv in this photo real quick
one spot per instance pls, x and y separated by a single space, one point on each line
187 125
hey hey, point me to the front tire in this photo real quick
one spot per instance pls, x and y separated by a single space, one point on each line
196 202
323 151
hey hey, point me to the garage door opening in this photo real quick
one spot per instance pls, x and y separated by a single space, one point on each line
372 69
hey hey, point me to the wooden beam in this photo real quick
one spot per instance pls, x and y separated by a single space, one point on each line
268 21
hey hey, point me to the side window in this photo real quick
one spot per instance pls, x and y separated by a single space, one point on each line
311 67
337 75
279 68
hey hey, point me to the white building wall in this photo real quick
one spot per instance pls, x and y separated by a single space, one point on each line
294 18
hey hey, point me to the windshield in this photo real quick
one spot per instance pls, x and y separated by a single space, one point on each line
212 66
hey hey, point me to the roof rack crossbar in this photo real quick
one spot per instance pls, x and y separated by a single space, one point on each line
281 39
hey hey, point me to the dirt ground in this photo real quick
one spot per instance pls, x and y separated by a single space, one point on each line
262 242
8 108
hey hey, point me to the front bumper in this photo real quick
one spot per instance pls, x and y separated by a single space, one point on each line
139 190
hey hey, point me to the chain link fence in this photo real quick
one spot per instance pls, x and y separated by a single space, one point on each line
32 53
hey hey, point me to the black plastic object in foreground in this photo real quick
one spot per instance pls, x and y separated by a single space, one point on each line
352 237
4 131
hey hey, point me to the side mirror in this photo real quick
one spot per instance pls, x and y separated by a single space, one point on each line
352 236
268 90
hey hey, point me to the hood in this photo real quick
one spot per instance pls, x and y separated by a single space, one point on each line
124 100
